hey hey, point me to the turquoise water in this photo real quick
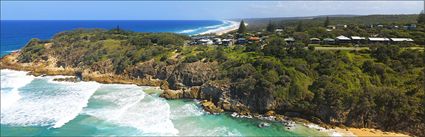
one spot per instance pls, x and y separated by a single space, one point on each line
38 106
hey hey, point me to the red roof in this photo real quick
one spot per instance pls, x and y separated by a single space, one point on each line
254 38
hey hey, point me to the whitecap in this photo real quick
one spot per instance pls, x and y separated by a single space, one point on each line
225 26
11 81
48 104
188 31
187 110
129 106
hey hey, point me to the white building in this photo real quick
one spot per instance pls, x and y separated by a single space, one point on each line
401 39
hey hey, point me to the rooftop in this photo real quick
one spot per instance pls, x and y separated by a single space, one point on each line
379 39
357 38
402 39
342 38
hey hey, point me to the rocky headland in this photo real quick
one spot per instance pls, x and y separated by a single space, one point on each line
275 91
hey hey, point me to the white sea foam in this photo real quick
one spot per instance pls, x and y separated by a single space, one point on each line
44 104
222 131
225 25
195 128
330 132
129 106
189 30
10 51
11 81
187 110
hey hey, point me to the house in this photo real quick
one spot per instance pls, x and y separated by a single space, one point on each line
328 41
378 40
205 41
410 27
393 27
289 40
314 41
358 40
341 26
227 42
342 39
253 39
331 27
278 30
401 40
217 41
229 36
241 41
263 38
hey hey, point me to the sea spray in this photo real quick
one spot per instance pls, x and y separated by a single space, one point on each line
11 81
47 104
128 105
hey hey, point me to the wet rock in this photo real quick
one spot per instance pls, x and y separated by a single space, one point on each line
270 113
280 118
210 107
316 120
67 79
164 85
263 125
226 105
172 94
192 93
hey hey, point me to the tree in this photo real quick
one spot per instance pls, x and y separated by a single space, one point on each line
242 27
300 27
326 22
421 18
270 27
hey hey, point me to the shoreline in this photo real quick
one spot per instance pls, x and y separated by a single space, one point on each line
337 131
47 69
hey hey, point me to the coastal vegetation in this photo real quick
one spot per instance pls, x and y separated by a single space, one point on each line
366 26
382 86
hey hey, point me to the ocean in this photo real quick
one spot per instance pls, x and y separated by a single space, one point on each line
39 106
16 33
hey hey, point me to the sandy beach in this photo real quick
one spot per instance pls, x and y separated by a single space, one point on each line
222 30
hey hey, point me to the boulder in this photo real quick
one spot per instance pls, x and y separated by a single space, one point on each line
193 93
270 113
172 94
164 85
263 125
210 107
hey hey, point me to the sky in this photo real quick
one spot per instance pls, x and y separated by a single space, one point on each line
196 10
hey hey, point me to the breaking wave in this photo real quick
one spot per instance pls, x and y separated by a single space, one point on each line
46 104
128 105
11 81
210 29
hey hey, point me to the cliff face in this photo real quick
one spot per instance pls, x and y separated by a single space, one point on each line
196 80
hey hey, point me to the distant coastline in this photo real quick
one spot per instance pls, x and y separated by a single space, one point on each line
232 25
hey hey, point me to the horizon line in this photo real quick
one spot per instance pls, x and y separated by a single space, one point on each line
232 19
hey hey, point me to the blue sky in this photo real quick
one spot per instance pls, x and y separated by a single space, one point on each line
189 10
